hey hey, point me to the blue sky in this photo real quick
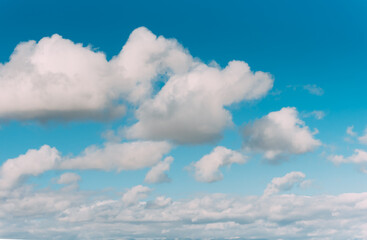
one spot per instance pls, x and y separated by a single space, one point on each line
88 114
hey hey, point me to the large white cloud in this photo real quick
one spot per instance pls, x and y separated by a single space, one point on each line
190 106
207 168
278 134
58 79
112 156
285 183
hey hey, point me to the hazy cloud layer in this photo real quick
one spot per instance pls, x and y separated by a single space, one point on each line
70 214
279 134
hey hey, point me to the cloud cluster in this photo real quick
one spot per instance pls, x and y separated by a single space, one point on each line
70 215
58 79
207 168
279 134
113 156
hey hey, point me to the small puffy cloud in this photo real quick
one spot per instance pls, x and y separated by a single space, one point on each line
314 89
350 131
119 156
207 168
33 163
278 134
157 173
68 178
359 157
135 194
363 139
285 183
317 114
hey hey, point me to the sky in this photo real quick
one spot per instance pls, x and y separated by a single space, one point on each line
183 119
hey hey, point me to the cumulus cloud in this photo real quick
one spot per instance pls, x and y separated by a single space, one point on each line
56 78
207 168
279 134
134 194
157 173
190 106
113 156
68 178
33 163
363 139
314 89
119 156
350 131
285 183
359 157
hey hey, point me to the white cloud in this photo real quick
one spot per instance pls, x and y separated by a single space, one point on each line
363 139
119 156
314 89
359 157
279 134
58 79
33 163
317 114
68 178
41 215
113 156
350 131
135 194
207 168
190 106
157 173
285 183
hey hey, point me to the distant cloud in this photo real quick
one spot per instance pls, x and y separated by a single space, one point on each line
279 134
363 139
68 178
350 131
359 157
284 183
314 89
207 168
208 216
317 114
158 172
135 194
